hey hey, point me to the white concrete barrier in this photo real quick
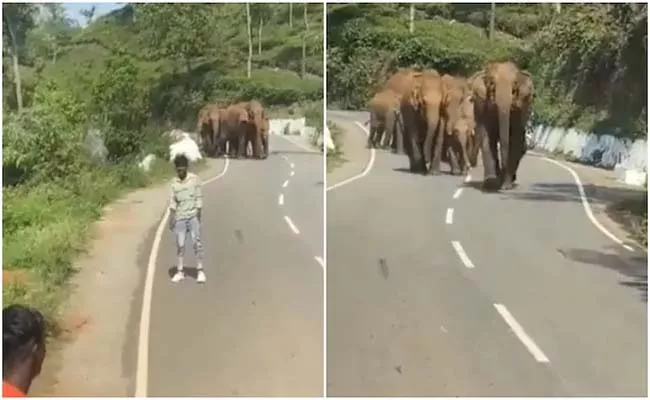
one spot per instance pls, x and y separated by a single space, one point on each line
629 158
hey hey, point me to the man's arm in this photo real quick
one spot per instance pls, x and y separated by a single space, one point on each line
199 197
172 206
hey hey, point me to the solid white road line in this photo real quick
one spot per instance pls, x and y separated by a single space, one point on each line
292 173
320 261
521 334
291 225
365 172
285 184
461 253
458 192
142 366
281 199
302 146
585 202
449 218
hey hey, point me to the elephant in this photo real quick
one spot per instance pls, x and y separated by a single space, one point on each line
256 116
384 109
234 129
503 97
461 145
421 102
208 125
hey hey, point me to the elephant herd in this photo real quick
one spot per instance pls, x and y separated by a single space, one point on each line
434 118
230 129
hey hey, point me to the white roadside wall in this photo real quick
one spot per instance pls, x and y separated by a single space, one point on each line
628 158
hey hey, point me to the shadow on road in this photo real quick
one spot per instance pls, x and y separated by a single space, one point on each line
634 268
190 272
313 153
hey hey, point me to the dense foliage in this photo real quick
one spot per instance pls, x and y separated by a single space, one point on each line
589 61
83 104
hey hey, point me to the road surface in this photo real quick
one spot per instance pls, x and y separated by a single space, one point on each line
437 289
256 327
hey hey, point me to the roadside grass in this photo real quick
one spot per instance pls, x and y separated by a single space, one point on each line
335 157
47 226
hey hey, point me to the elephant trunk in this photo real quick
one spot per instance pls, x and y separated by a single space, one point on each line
504 104
216 136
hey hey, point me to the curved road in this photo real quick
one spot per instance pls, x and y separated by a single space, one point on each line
437 289
256 327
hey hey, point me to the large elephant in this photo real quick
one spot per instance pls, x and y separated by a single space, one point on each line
256 116
384 109
503 97
420 113
208 125
234 129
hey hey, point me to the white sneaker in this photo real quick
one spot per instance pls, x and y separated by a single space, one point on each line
200 276
178 276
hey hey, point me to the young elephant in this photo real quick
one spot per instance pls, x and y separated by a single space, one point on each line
384 107
462 142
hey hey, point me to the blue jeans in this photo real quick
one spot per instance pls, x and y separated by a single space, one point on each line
192 226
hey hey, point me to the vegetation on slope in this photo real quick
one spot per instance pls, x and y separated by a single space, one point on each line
82 105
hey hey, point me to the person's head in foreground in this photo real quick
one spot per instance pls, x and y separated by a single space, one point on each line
181 163
23 348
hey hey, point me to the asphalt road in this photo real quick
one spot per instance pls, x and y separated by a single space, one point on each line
256 327
509 294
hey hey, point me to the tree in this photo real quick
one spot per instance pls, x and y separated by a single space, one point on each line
249 64
17 21
89 14
262 12
176 30
290 15
411 17
493 10
303 65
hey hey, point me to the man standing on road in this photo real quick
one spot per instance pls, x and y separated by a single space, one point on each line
185 215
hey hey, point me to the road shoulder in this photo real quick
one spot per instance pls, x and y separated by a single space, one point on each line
92 357
353 148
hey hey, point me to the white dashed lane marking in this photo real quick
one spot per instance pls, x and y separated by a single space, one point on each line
281 199
449 218
461 253
291 225
285 184
457 193
537 353
292 173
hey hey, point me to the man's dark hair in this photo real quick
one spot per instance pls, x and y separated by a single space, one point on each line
181 161
22 328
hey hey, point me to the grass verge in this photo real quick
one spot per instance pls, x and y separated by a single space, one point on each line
335 157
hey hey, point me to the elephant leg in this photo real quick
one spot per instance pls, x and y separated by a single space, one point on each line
490 174
453 155
389 131
433 142
398 134
518 146
265 143
241 146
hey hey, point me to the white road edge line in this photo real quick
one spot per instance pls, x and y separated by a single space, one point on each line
281 199
458 192
461 253
288 139
291 225
285 184
292 173
449 218
584 201
365 172
142 366
320 261
537 353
